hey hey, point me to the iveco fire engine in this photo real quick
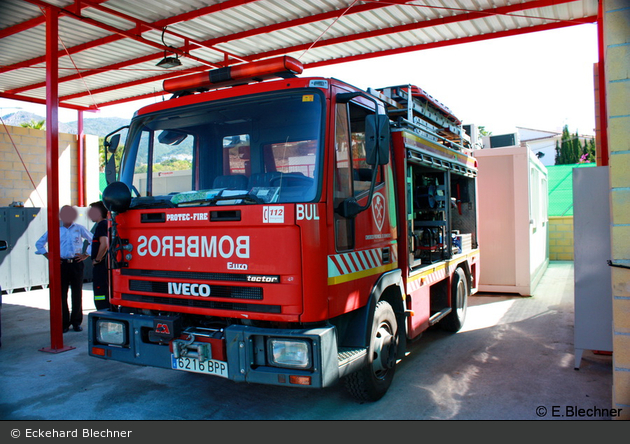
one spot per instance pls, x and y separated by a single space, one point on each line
268 228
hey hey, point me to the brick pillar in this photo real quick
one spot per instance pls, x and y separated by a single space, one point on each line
617 56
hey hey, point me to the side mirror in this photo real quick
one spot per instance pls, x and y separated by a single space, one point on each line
377 139
117 197
112 144
3 245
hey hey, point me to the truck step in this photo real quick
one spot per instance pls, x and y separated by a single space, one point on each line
348 354
434 319
351 359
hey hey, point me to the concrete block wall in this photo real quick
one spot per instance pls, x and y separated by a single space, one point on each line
15 185
617 53
561 238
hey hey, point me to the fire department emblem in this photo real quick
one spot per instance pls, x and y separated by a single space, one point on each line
378 210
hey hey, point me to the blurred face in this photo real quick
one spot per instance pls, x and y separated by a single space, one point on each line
94 214
68 215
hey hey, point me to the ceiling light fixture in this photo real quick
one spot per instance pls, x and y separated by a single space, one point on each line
168 62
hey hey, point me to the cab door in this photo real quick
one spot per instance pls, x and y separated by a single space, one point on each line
364 245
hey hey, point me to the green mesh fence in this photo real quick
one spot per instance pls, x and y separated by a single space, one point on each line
102 183
561 188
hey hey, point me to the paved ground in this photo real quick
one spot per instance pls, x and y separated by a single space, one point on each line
513 355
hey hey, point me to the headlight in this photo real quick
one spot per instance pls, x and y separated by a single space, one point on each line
289 353
111 332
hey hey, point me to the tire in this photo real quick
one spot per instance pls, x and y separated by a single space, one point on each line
454 321
372 381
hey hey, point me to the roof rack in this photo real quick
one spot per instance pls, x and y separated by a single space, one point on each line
424 114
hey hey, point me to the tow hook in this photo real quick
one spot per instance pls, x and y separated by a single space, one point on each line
183 348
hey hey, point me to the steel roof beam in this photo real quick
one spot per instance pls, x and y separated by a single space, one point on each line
462 40
129 84
307 20
134 98
116 37
36 21
161 28
131 34
348 38
502 10
211 42
37 101
443 43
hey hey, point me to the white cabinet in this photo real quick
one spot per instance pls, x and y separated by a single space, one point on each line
513 224
593 285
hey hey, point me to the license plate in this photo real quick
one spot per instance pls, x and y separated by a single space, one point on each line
209 367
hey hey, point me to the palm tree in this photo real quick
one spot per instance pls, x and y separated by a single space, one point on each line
40 125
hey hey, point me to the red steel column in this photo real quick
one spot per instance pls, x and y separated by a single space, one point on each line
603 112
80 162
52 180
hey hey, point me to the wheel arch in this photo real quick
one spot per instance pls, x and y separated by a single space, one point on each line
389 287
464 265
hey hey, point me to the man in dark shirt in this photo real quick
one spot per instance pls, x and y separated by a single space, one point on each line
100 245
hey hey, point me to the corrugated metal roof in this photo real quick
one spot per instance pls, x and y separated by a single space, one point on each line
112 67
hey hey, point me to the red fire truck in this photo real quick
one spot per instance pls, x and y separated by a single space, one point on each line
273 229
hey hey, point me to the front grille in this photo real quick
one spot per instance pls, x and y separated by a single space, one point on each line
185 275
202 303
216 291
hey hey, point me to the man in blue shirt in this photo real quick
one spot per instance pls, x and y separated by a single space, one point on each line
71 237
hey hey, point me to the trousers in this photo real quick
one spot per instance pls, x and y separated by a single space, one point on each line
72 278
100 282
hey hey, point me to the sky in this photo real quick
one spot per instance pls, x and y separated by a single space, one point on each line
541 80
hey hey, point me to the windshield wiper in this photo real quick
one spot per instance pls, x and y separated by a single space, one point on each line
245 197
150 202
213 201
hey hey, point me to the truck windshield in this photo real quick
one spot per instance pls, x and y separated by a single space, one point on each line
257 150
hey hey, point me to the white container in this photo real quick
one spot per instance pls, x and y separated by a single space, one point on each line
513 224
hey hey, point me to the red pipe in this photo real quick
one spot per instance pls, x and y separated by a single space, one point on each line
52 180
28 99
80 162
601 66
451 42
283 25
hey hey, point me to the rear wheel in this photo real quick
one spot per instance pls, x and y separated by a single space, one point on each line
459 297
372 381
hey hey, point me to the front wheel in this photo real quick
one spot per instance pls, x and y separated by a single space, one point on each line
372 381
459 302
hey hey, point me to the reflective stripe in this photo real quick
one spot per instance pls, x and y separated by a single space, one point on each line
100 298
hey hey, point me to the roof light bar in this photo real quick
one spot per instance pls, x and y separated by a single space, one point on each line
282 67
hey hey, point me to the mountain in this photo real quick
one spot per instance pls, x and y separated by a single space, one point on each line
15 119
99 126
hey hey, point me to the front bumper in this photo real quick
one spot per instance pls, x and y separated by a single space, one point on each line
244 350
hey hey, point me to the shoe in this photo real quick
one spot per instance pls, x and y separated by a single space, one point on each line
78 328
66 329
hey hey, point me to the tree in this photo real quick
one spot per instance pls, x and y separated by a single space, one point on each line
569 150
34 124
558 154
588 151
483 132
576 148
167 165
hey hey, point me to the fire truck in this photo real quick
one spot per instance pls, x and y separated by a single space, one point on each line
275 229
